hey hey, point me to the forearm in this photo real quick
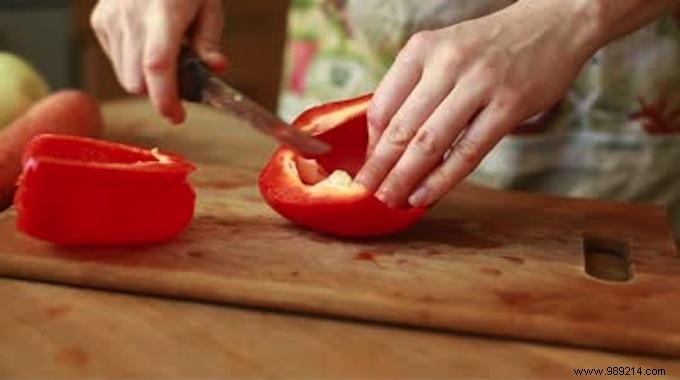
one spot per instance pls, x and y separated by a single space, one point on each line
600 22
616 18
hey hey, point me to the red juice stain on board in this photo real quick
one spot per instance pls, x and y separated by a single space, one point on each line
72 357
535 300
56 311
197 254
514 299
514 260
367 256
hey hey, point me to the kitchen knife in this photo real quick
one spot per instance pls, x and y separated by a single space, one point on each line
198 84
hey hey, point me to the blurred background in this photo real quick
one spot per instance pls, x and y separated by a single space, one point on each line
56 38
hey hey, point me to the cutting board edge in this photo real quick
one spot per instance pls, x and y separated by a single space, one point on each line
379 308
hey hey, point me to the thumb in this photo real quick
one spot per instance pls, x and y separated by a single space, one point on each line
207 35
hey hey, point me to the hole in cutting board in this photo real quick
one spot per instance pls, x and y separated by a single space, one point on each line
607 259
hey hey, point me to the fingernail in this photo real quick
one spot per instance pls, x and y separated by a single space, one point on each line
180 116
217 62
383 195
419 197
175 118
360 179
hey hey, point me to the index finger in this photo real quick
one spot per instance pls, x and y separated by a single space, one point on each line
161 49
395 87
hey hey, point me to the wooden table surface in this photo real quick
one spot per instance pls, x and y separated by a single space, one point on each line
49 331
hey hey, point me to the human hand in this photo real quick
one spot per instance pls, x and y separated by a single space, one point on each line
143 38
453 93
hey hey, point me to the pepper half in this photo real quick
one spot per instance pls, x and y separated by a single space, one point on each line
319 193
76 190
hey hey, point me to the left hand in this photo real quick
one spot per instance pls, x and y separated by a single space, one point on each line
462 88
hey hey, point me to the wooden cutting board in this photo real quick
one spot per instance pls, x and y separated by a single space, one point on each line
504 264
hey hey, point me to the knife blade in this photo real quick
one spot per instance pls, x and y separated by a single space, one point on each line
198 84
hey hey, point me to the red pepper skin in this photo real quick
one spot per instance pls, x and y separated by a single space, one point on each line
81 191
349 211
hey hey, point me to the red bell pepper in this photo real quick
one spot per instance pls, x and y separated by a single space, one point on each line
319 193
76 190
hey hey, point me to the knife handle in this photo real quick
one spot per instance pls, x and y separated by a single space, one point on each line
192 75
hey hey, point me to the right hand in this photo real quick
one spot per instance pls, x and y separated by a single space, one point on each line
143 38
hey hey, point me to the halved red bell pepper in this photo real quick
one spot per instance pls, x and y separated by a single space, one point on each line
320 193
76 190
